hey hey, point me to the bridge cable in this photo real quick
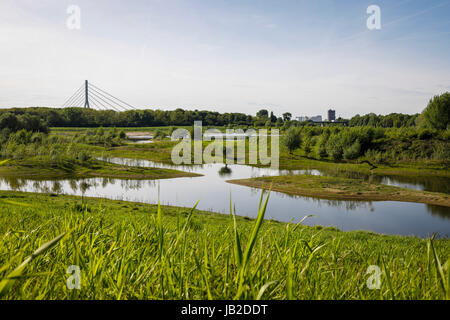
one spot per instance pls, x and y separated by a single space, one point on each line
78 102
109 99
72 97
98 104
112 96
97 95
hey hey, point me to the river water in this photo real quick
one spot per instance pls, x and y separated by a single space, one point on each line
389 217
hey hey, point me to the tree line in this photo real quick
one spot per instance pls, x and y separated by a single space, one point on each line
435 116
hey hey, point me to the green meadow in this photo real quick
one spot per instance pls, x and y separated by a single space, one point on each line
138 251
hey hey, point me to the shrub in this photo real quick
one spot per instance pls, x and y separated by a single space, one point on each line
425 134
292 139
374 156
334 147
437 113
308 145
84 156
37 138
100 131
353 151
159 134
322 151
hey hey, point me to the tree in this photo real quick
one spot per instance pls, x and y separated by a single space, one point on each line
308 143
334 147
279 122
273 118
263 113
437 113
292 139
353 151
287 116
10 121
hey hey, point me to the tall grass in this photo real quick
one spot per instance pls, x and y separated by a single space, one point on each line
140 251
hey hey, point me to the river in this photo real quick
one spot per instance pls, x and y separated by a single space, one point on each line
388 217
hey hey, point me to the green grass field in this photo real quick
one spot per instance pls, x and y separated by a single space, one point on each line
135 251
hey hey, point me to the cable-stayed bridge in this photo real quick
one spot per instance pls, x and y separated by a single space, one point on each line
91 96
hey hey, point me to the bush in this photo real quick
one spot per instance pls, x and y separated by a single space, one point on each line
374 156
308 145
84 156
22 136
437 113
322 152
37 138
353 151
100 132
292 139
159 134
334 147
425 134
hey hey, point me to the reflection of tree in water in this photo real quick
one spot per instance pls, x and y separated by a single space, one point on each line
106 181
84 186
14 183
151 183
225 171
40 186
37 185
350 204
347 204
427 183
131 184
147 163
57 187
440 211
73 185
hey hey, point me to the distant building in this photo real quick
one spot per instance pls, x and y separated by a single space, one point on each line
331 115
302 118
316 119
306 118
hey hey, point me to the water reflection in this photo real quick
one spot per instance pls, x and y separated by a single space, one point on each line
423 183
439 211
426 183
225 171
213 192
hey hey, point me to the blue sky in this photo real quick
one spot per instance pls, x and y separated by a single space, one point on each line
301 57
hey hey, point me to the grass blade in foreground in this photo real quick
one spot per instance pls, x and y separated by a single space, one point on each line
7 283
250 244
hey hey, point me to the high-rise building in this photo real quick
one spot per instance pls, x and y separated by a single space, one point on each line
331 115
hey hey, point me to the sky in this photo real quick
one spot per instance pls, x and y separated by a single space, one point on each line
302 57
